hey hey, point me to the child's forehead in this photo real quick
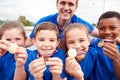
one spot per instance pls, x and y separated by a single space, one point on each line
12 29
77 29
109 21
46 32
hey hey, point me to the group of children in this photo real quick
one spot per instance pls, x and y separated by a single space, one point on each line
98 59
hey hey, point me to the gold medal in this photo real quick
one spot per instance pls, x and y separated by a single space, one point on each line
13 48
72 52
101 43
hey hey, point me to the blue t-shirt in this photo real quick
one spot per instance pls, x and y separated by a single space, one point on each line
7 66
47 74
87 64
53 19
104 68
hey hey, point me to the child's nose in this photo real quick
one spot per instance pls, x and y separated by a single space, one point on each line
13 41
107 31
77 45
46 43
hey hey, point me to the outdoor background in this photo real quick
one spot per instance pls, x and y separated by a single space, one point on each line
33 10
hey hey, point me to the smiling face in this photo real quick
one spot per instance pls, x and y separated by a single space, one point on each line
76 38
14 35
46 41
109 28
66 8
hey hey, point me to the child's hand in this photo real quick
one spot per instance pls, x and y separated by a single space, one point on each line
73 68
111 51
37 68
56 66
20 56
3 47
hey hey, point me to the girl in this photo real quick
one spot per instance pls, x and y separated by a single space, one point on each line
47 61
64 17
11 32
108 62
76 37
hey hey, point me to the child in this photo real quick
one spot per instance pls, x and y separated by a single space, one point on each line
11 33
47 61
76 37
107 66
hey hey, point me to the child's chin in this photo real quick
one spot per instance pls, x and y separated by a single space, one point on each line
80 57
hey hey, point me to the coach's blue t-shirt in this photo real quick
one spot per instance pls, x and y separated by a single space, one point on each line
53 19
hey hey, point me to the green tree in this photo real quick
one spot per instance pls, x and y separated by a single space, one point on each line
94 24
25 21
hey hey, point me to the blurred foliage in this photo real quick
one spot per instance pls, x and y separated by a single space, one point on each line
95 25
1 22
21 19
25 21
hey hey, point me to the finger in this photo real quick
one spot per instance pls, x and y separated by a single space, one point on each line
109 53
38 69
21 60
54 61
21 50
3 47
38 75
110 46
56 71
36 63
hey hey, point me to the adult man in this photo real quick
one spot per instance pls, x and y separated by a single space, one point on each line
65 16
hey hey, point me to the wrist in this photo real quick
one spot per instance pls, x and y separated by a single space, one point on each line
79 75
57 77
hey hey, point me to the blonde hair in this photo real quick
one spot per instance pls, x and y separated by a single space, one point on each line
12 25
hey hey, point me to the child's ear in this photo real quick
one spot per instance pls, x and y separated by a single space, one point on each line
89 40
33 41
58 42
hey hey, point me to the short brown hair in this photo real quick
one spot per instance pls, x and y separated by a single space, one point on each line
46 26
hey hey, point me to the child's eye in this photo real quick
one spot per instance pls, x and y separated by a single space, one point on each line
113 28
52 40
101 28
81 40
18 38
41 39
8 40
71 4
70 42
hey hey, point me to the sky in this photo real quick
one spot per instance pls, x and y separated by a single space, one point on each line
89 10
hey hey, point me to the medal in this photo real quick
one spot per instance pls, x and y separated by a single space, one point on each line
101 43
72 52
13 48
